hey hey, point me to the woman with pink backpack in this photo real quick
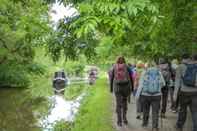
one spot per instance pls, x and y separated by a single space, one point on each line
121 85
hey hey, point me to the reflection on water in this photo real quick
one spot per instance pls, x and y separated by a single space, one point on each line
16 111
61 110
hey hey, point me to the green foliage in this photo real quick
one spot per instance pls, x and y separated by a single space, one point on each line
40 86
13 75
145 29
62 126
117 20
23 25
36 68
72 91
74 68
95 111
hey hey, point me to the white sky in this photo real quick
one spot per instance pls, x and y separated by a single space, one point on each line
59 11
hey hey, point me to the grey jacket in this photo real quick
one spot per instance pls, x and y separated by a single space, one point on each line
179 86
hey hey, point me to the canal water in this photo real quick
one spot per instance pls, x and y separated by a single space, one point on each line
19 112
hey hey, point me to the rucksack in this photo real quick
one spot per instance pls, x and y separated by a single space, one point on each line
165 71
121 74
151 82
190 76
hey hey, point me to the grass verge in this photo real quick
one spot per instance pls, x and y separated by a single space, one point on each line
95 113
74 90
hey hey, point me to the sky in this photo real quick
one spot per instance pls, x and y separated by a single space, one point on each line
59 11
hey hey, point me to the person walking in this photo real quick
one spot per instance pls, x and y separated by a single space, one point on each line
140 69
121 85
149 90
164 67
186 87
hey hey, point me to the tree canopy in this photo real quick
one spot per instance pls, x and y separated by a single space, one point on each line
140 28
23 26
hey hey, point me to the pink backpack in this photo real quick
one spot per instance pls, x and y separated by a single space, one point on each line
121 74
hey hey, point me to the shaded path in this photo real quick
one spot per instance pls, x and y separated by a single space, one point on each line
135 125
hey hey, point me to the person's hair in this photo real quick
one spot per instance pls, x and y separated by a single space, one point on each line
163 61
120 60
194 57
151 64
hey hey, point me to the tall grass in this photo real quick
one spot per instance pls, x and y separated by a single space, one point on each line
95 113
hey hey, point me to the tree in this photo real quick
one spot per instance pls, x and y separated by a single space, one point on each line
142 28
125 22
23 25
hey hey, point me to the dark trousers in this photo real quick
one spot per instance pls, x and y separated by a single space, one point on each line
164 99
121 107
154 102
187 100
139 106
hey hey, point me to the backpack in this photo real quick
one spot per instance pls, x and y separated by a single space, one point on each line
151 82
121 74
165 71
190 76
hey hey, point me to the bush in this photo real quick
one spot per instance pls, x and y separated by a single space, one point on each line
62 126
72 91
74 68
13 75
36 68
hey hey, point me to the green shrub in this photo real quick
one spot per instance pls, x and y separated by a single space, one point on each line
72 91
74 68
62 126
36 68
13 75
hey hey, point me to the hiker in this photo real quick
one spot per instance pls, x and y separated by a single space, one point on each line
132 70
121 85
149 91
186 87
110 73
174 105
139 70
164 67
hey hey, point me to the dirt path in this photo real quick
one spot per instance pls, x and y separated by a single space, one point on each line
135 125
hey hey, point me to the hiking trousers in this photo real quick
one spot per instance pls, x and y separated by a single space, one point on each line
164 99
187 100
154 102
121 107
139 106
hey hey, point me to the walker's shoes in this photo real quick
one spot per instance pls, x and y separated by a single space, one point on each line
178 128
125 122
119 123
155 129
138 117
144 125
174 111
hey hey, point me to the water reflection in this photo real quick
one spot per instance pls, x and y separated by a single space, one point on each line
61 110
16 111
